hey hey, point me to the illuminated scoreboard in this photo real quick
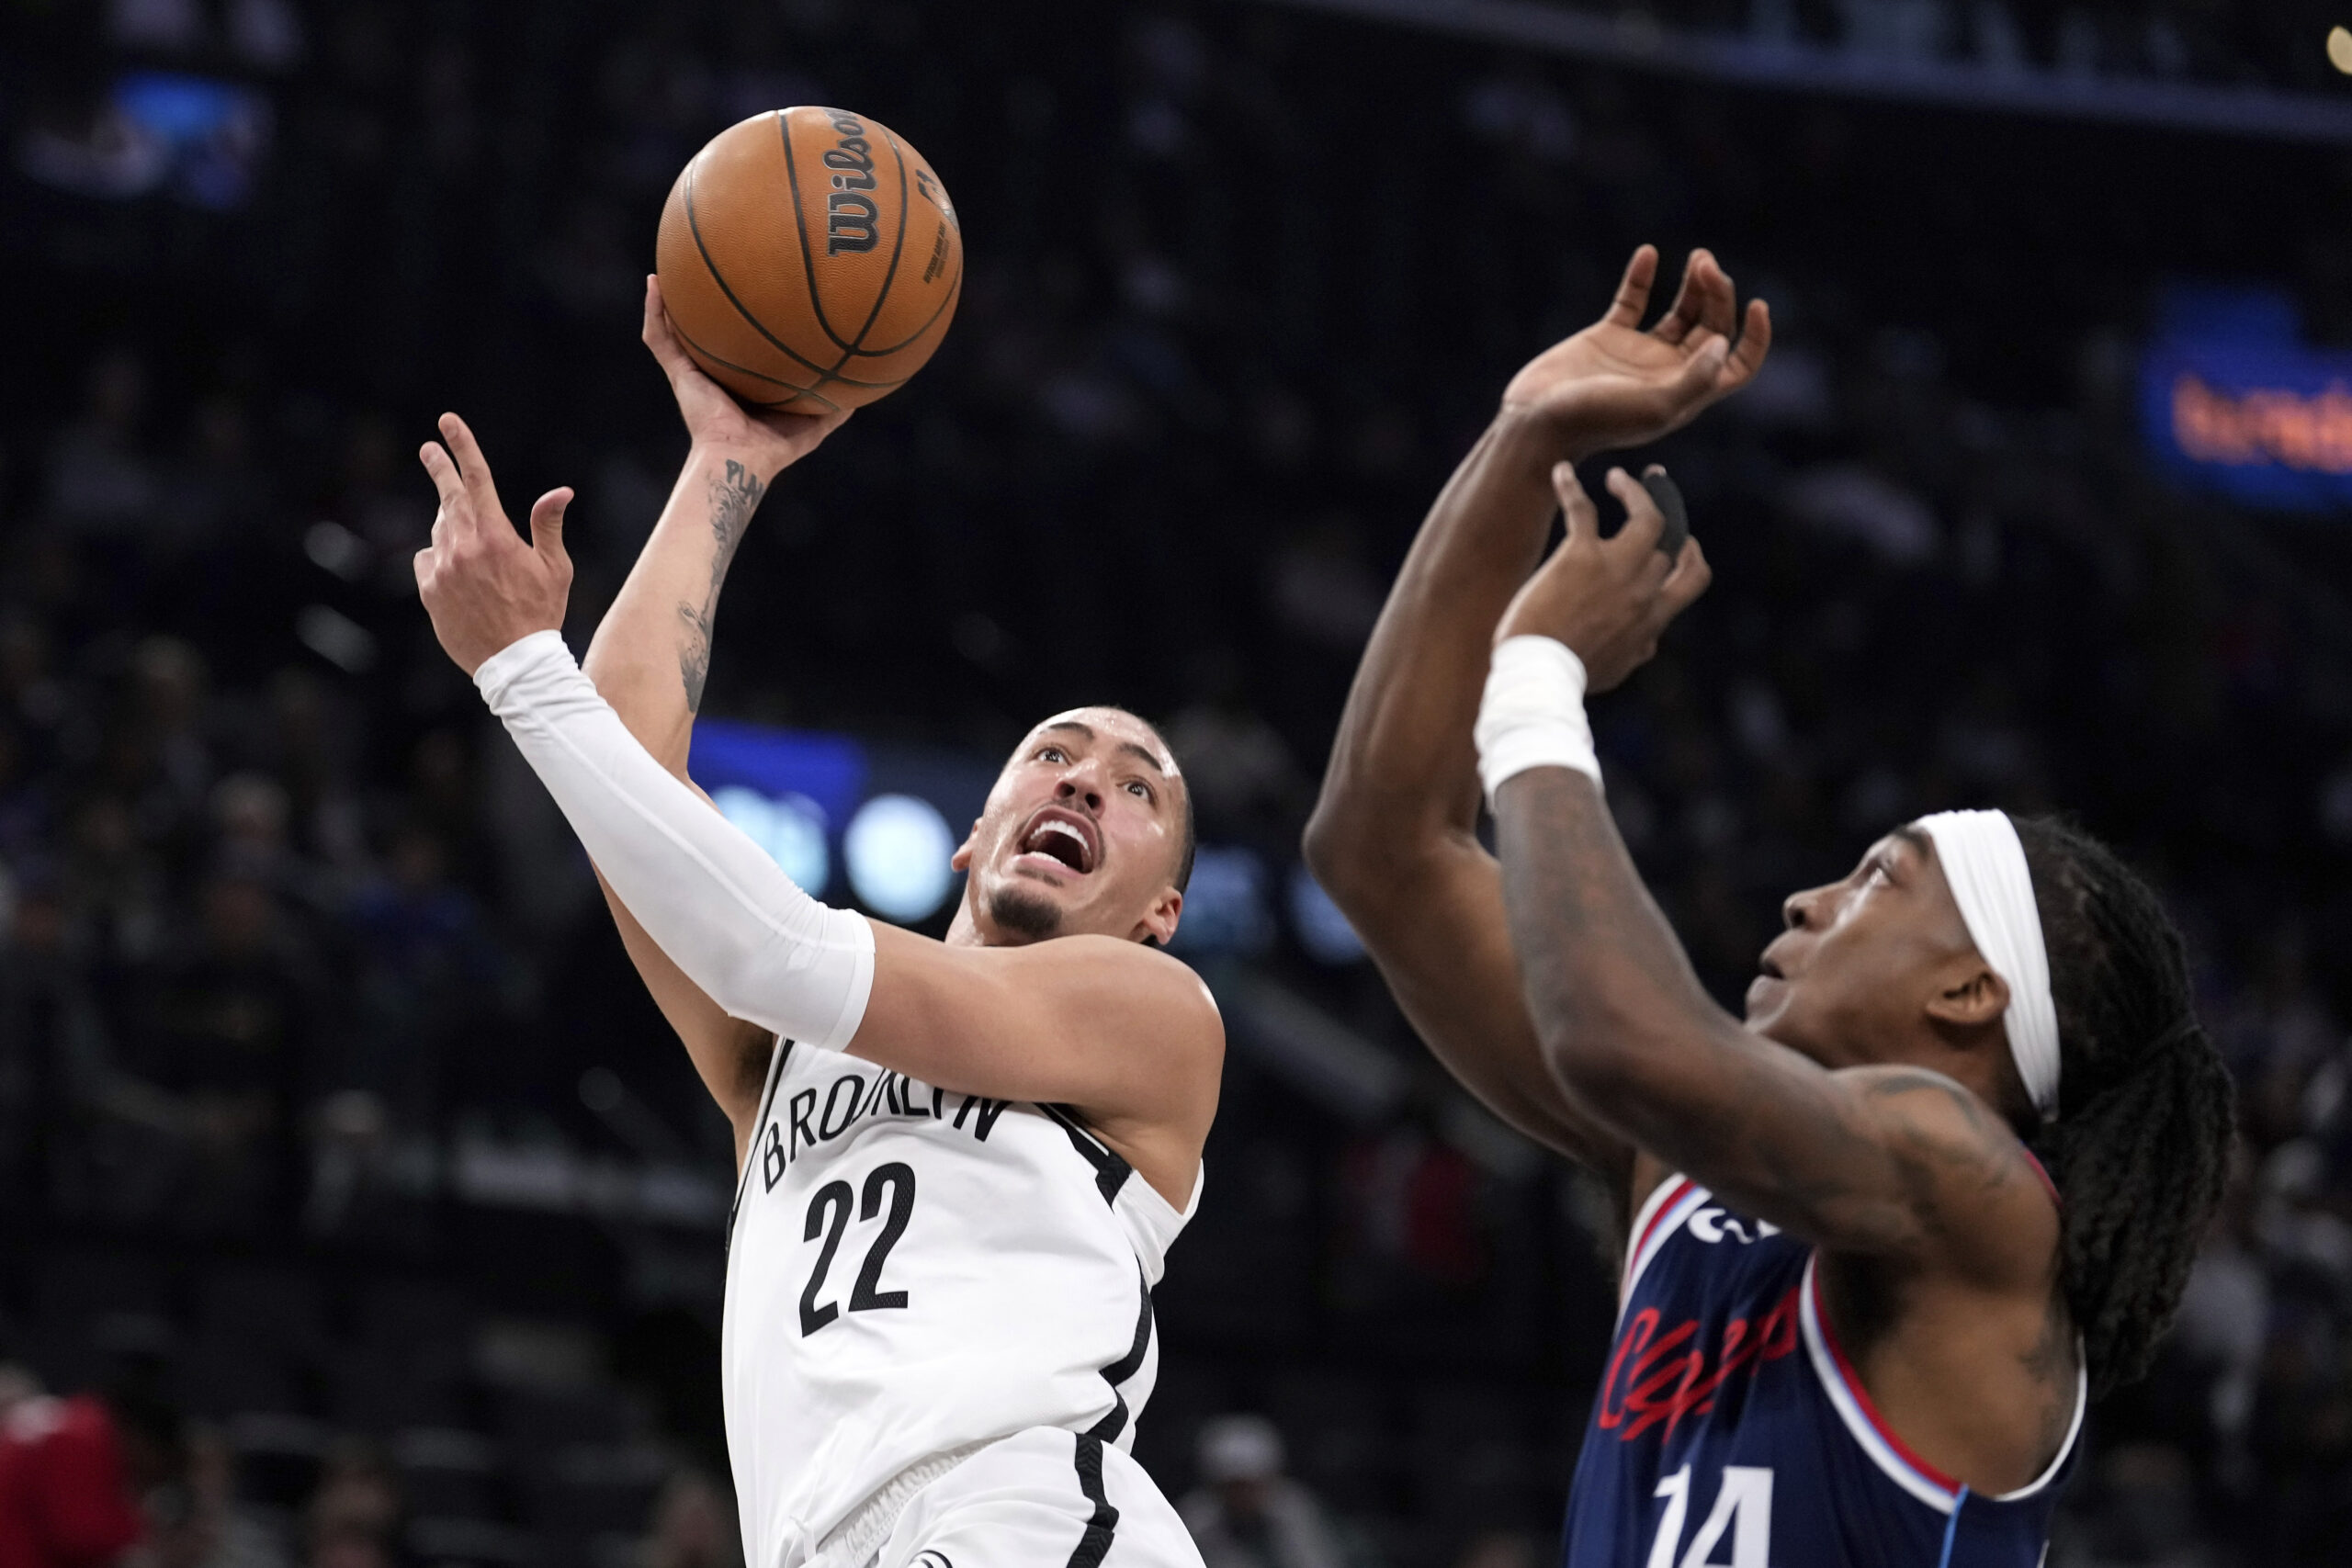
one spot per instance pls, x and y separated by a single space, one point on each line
2232 399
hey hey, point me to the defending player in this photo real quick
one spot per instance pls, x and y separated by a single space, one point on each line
963 1165
1859 1323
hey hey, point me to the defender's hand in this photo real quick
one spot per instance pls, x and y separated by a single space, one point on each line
765 443
483 586
1606 599
1613 385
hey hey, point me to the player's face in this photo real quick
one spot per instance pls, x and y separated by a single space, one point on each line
1851 979
1081 834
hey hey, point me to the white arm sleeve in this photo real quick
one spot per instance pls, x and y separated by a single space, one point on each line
711 898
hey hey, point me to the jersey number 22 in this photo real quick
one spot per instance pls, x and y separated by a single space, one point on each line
828 1217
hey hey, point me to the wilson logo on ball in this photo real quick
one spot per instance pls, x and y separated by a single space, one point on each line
850 217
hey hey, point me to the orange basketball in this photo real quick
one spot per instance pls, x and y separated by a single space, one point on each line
809 260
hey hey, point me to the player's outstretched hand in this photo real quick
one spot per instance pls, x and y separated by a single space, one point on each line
485 587
1614 385
1606 599
764 441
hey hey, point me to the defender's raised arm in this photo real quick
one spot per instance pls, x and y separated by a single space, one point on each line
1890 1161
1394 837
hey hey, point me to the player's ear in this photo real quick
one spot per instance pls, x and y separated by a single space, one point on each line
1160 921
962 859
1971 997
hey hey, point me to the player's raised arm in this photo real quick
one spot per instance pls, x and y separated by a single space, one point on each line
652 651
1126 1035
1394 837
1888 1161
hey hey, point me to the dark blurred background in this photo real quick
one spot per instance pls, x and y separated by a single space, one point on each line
350 1180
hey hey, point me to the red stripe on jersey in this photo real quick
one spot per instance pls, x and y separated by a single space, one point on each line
1678 1190
1862 1397
2047 1185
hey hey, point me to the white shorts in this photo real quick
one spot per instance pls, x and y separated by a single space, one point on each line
1043 1498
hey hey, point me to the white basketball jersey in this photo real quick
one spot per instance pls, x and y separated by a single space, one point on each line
912 1272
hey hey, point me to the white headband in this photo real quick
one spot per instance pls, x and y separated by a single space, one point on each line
1983 863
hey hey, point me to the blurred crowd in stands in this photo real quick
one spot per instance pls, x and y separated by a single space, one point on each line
358 1209
2278 44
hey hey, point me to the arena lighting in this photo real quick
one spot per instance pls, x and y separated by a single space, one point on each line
790 828
2339 48
829 770
792 791
897 851
205 140
1224 906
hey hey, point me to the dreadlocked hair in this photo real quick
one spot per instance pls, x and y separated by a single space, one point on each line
2140 1148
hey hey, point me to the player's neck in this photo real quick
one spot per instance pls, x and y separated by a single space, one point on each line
965 930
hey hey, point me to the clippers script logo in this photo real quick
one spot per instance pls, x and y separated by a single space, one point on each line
1657 1377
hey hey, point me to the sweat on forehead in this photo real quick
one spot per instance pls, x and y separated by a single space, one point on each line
1118 726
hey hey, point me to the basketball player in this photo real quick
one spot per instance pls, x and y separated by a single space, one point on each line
1858 1323
961 1161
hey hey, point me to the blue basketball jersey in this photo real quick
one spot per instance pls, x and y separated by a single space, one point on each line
1731 1430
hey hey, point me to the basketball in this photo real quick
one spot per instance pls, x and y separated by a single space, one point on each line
809 260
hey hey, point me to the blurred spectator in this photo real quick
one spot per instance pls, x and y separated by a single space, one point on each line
265 33
1501 1549
30 691
166 26
424 965
219 1530
1411 1234
1240 773
354 1517
154 759
218 490
72 1473
225 1033
23 799
391 519
2224 1314
693 1526
55 1055
115 887
100 482
422 928
1320 590
1249 1513
306 748
250 814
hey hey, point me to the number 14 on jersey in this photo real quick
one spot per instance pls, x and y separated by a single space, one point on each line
1743 1508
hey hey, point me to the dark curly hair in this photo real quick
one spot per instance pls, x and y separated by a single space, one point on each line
2140 1145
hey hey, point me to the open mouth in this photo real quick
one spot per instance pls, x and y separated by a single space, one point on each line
1063 837
1769 970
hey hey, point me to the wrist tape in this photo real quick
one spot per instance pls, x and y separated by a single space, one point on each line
1532 714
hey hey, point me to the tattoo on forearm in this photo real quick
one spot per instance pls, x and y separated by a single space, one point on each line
694 653
734 496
